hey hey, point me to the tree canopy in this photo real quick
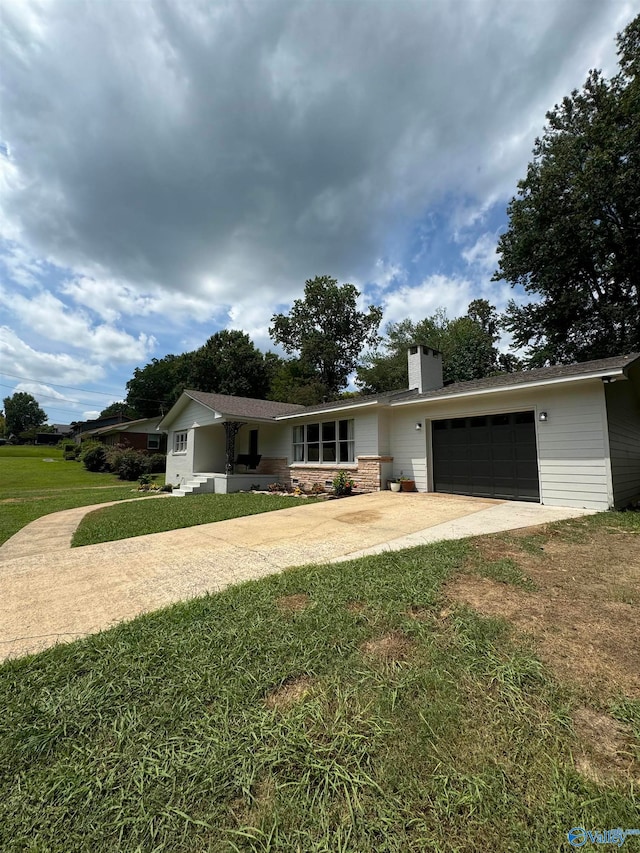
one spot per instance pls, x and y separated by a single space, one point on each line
467 344
118 408
573 239
22 413
327 331
228 363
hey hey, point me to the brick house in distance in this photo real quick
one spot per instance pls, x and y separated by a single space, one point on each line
141 434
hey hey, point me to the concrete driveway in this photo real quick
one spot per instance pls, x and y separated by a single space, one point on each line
51 593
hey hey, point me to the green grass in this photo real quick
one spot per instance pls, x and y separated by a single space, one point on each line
156 736
31 487
23 469
122 522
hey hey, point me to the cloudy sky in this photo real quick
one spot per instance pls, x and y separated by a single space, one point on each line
172 168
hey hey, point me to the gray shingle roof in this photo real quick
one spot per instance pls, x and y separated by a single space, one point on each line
352 402
527 377
243 407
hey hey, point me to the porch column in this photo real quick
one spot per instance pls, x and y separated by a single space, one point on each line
231 429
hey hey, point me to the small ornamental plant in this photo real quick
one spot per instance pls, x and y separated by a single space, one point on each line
342 483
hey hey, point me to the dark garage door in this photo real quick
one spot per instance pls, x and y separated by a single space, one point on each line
492 456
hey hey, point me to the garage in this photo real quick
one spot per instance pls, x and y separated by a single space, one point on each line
492 456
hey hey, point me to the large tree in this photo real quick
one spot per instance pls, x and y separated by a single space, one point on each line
154 388
118 408
229 363
573 240
327 331
467 344
22 413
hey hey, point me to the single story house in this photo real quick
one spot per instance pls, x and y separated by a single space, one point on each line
567 435
141 434
60 431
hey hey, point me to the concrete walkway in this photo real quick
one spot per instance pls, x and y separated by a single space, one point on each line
49 596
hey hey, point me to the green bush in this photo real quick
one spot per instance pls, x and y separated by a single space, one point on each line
94 457
158 463
130 464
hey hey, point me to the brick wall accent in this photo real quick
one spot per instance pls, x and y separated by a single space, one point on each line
366 473
276 467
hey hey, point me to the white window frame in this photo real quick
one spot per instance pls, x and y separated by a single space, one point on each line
180 441
153 441
322 445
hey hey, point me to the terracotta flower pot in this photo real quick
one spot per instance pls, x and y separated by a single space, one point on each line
408 485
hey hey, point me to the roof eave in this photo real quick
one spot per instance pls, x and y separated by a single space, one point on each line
559 380
327 411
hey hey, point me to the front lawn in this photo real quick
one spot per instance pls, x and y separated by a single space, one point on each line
348 707
24 468
121 522
31 486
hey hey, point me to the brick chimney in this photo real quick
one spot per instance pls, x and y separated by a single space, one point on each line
425 368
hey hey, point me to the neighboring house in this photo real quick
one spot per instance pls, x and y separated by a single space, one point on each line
79 429
141 434
564 436
60 431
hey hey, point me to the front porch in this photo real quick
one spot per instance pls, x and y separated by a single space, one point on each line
220 483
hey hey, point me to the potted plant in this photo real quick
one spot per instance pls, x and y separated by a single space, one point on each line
406 484
394 485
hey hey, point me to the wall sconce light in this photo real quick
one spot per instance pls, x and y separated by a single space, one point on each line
543 416
418 426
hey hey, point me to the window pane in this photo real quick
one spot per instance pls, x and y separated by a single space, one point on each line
298 453
313 432
298 435
313 453
329 431
329 452
345 430
346 451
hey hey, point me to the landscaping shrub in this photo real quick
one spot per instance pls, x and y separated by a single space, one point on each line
158 463
343 483
94 457
130 464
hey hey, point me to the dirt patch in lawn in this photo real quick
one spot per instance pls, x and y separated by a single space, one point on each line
605 747
392 647
293 603
290 693
584 613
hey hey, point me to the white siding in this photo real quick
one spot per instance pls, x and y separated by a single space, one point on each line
572 448
623 415
384 433
194 414
180 466
408 445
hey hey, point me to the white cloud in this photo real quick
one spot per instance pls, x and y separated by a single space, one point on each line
47 316
451 293
20 359
482 255
112 299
